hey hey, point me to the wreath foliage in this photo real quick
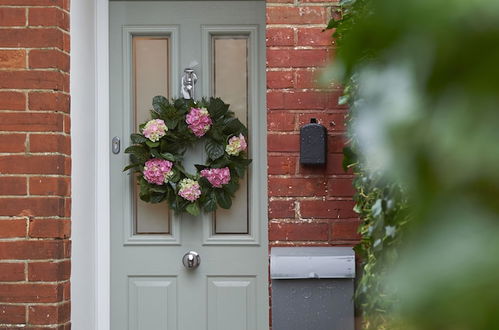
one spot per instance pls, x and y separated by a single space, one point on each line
157 152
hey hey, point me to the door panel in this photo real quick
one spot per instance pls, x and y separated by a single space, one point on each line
151 42
231 303
152 303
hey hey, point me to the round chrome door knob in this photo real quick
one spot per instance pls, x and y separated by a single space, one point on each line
191 260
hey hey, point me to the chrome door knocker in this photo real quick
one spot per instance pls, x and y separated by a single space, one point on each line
189 79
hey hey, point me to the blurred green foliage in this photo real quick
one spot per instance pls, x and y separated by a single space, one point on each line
422 81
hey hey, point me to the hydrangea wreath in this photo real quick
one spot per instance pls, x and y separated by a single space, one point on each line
157 153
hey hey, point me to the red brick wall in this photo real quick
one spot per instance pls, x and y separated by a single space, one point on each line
34 164
307 206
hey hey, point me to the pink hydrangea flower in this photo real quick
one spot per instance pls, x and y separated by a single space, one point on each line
158 171
189 189
217 176
155 129
236 145
199 121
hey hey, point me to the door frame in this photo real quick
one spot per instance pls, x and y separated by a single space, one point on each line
91 216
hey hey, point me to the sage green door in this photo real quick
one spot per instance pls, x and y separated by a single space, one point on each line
151 43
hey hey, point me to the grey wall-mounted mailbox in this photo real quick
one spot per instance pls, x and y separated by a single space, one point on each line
312 288
313 144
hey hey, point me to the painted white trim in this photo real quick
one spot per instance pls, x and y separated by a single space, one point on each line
102 195
90 301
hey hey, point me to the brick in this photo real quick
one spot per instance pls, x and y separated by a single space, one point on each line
13 186
281 121
32 80
48 17
281 209
50 143
296 15
314 37
320 1
291 187
12 16
12 143
23 250
334 166
31 122
324 209
49 271
49 228
12 228
12 101
297 58
280 37
48 59
54 101
47 164
67 124
334 122
304 100
31 2
345 230
11 314
11 272
47 315
280 79
31 293
340 187
311 78
336 143
33 206
283 142
275 100
12 59
282 165
298 231
31 38
49 186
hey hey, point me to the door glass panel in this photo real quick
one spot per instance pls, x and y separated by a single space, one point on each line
230 82
150 78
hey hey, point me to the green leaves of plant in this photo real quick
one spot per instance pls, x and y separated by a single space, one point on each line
193 209
217 108
223 198
214 150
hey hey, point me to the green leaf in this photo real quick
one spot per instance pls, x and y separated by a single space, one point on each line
214 150
332 24
157 198
193 209
349 158
138 138
233 126
151 144
137 150
200 167
223 199
130 166
210 203
231 187
217 108
159 102
168 156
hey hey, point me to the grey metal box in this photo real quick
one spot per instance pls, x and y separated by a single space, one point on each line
312 288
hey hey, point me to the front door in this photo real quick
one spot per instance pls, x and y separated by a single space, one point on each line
151 43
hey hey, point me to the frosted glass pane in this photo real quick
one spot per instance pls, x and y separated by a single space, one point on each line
151 78
230 74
